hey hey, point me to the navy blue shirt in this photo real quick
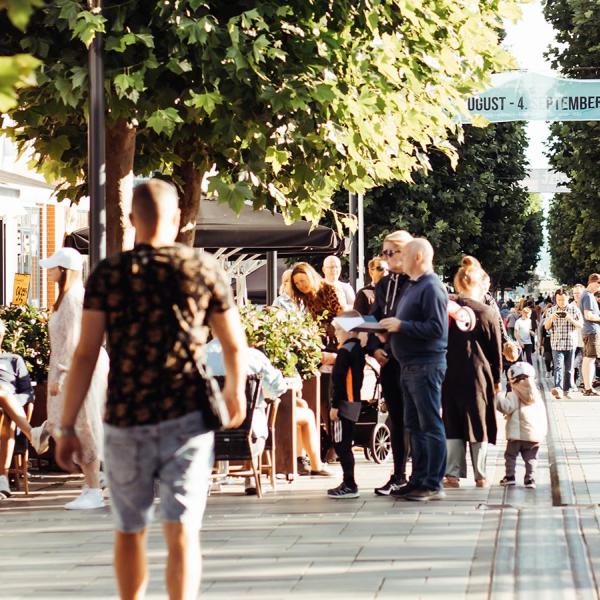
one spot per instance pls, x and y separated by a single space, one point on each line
15 376
423 313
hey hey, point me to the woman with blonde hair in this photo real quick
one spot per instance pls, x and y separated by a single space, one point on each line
284 300
472 379
65 268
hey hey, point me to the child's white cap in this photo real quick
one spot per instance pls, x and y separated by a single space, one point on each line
520 369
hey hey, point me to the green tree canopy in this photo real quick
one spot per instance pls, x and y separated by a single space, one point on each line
16 71
481 208
574 222
285 101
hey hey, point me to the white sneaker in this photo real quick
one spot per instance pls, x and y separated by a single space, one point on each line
89 498
40 438
4 487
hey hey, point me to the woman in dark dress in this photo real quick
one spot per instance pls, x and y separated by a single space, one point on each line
472 379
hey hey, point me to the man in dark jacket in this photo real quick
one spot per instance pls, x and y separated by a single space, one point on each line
388 292
419 339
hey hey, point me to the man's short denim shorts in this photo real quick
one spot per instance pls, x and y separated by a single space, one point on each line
177 453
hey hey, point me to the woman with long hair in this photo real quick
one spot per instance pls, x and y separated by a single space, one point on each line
472 379
317 297
65 268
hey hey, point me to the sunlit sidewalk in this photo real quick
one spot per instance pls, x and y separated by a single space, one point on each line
478 543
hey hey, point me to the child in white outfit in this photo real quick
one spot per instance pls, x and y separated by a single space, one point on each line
526 422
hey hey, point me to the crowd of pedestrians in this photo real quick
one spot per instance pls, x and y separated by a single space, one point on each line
154 307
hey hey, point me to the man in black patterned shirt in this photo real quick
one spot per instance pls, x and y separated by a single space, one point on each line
563 321
155 428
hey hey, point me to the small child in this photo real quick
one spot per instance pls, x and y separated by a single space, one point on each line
346 380
526 422
511 353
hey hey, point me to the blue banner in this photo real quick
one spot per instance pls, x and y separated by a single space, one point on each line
524 96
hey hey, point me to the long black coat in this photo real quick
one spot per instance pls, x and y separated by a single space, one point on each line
474 366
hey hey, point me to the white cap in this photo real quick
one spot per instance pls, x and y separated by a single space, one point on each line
67 258
519 369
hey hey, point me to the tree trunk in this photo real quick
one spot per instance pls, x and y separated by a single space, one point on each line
189 178
120 151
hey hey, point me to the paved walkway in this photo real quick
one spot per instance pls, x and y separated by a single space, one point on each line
297 543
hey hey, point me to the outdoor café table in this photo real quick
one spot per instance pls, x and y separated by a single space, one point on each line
285 429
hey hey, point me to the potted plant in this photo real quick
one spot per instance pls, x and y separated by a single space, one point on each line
27 335
291 340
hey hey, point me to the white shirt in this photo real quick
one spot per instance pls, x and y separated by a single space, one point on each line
345 293
523 330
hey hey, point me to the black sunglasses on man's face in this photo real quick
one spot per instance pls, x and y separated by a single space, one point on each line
376 268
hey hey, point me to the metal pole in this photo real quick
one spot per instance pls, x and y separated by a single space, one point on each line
360 282
352 274
271 277
96 147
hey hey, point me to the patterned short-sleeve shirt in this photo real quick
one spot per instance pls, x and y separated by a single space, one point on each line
153 377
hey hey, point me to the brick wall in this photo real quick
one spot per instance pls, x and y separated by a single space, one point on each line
47 248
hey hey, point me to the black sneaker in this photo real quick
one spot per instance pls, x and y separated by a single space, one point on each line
402 491
394 483
424 495
507 481
529 482
303 465
343 491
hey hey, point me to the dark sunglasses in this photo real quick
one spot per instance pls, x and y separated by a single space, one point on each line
390 253
376 268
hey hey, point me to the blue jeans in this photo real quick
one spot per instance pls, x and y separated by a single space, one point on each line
422 389
563 369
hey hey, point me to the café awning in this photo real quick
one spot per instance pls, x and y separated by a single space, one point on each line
254 232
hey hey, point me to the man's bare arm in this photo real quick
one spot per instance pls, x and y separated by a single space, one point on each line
590 316
93 325
227 327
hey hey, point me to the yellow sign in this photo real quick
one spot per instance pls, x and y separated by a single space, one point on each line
21 288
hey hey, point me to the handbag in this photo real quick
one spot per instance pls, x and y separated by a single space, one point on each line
215 411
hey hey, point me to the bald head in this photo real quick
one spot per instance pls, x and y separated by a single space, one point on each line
155 211
332 269
417 257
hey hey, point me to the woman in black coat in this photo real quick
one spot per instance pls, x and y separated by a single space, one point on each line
472 379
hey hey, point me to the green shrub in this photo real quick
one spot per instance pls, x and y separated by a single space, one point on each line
291 340
27 335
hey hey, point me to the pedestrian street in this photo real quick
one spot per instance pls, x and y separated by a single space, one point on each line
297 543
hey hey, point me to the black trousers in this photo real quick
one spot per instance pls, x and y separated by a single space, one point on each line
343 435
389 378
527 350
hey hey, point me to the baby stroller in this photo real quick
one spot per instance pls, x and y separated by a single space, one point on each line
372 431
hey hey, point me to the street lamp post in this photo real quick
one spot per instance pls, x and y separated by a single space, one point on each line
96 146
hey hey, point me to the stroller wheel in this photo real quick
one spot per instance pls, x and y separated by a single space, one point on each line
367 452
381 443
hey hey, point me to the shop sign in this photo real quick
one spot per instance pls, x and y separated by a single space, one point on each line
21 288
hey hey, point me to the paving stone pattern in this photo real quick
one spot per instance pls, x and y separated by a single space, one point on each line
297 543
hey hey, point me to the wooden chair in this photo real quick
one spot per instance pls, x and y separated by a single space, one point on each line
269 453
236 444
20 461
